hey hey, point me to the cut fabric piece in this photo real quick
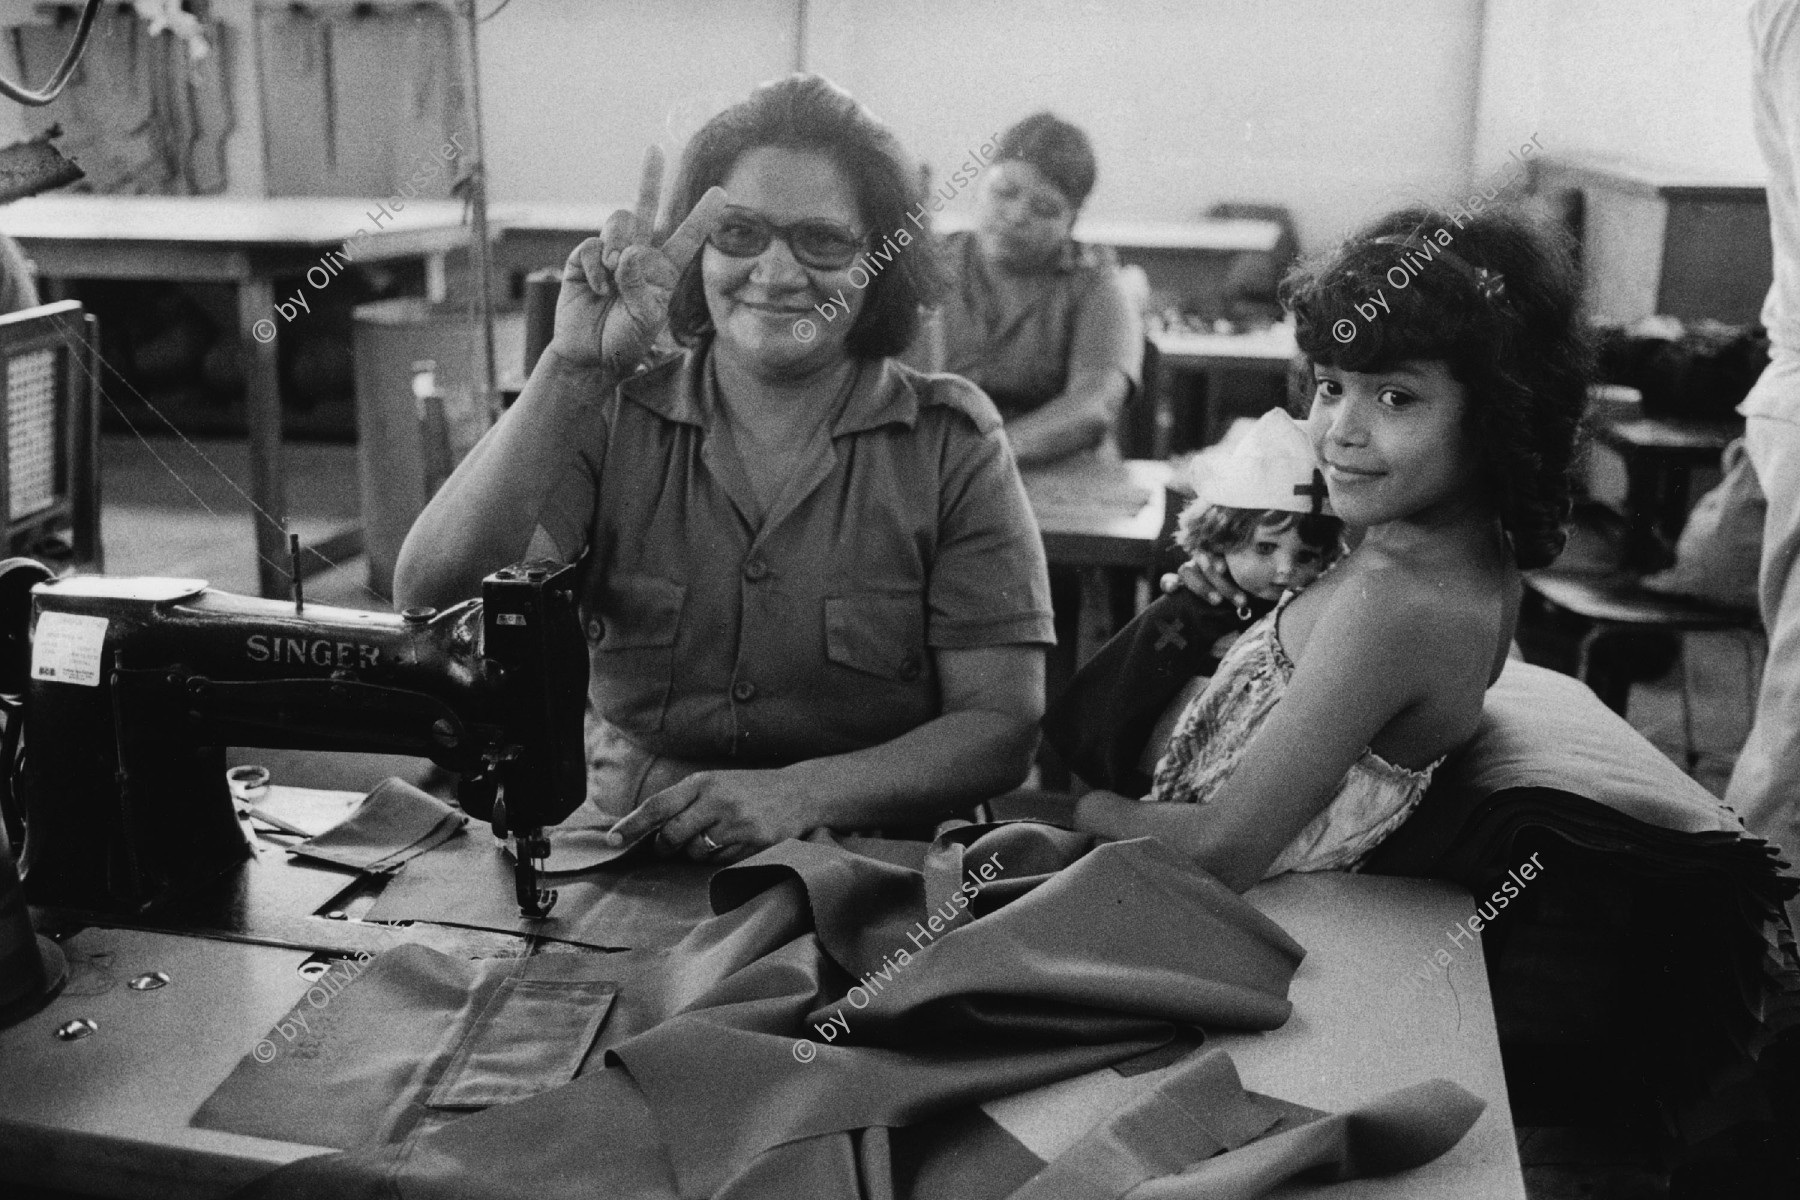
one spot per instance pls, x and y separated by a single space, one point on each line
581 848
530 1037
1200 1111
1198 1135
351 1062
634 902
394 824
1395 1132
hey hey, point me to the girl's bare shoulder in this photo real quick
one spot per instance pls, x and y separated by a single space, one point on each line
1421 607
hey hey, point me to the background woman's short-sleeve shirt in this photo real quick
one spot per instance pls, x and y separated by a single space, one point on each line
1079 317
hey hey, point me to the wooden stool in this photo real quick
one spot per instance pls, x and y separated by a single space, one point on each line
1616 605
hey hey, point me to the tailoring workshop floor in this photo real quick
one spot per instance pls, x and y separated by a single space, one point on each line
153 523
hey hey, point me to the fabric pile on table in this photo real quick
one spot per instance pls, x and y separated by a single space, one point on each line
831 1031
1703 946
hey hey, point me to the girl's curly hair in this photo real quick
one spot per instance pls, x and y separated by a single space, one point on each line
1493 295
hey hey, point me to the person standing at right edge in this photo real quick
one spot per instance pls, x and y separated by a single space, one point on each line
1765 784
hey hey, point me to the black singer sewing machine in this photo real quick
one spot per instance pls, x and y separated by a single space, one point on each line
132 689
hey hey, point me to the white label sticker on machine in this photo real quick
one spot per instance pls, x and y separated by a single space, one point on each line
66 648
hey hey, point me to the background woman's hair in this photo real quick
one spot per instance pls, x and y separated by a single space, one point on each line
1060 151
809 112
1218 529
1517 344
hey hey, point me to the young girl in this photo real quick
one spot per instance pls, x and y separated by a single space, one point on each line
1445 425
1262 511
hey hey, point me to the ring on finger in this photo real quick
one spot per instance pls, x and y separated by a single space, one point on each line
712 847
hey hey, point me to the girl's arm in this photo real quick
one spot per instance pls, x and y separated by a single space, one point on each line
1377 650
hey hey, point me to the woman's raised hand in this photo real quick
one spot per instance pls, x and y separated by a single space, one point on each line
616 287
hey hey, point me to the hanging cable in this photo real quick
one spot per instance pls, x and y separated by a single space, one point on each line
51 90
495 13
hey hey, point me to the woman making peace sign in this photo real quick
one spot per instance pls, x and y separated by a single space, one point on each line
813 591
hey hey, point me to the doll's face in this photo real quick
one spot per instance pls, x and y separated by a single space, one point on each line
1271 563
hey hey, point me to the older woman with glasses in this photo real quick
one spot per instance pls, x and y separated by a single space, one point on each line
1039 321
814 593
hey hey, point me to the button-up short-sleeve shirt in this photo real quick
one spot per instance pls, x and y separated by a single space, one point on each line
1079 317
713 637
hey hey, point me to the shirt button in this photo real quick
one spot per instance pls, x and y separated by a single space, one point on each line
910 666
756 569
743 690
594 629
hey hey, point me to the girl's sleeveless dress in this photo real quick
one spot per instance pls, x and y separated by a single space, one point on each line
1374 799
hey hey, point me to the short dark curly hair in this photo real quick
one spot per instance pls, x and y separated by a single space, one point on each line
809 112
1060 151
1494 295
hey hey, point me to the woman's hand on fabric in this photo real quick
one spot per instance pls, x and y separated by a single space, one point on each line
616 287
720 816
1205 575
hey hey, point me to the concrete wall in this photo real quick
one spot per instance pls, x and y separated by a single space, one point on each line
1336 108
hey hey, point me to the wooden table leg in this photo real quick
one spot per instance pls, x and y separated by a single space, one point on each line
262 404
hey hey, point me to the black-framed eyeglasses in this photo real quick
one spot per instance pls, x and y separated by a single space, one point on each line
821 245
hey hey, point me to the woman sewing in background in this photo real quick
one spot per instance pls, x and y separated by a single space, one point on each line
814 593
1042 323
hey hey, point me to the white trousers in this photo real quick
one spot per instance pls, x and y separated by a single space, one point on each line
1765 786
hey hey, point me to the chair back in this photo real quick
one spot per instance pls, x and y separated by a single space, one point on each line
1137 427
49 443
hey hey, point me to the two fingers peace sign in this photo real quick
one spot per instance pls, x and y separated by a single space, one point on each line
616 287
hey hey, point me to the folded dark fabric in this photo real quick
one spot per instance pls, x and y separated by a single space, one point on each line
1707 950
935 1017
1101 722
395 823
719 1046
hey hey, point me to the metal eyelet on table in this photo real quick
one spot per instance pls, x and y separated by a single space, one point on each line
149 981
75 1030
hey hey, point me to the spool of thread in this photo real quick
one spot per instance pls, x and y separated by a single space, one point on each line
541 291
32 967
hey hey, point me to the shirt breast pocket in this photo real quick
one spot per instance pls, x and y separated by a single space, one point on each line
634 660
878 633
